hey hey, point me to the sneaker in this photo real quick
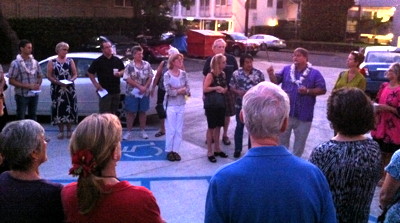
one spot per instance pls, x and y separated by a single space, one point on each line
144 135
236 154
170 156
127 135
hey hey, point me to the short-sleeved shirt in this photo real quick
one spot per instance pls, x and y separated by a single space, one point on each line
138 74
103 68
393 214
123 203
241 81
29 200
301 106
231 66
26 72
358 81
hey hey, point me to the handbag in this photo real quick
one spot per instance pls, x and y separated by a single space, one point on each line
214 100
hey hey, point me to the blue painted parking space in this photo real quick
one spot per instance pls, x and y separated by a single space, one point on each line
140 150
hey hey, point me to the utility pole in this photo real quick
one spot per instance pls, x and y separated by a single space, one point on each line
246 21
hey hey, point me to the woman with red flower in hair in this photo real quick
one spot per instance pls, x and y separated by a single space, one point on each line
99 196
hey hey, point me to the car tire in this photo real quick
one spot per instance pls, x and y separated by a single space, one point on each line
263 46
254 53
121 109
236 51
275 49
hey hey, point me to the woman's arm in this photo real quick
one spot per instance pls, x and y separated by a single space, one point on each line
74 71
207 84
388 191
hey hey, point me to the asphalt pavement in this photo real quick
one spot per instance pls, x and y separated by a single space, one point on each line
180 187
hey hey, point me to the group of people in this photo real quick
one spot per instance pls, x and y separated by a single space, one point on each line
336 184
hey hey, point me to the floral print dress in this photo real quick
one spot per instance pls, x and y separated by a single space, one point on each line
64 103
387 127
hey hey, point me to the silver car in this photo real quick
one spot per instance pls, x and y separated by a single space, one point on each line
88 99
269 42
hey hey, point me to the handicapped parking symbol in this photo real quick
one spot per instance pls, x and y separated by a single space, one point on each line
143 150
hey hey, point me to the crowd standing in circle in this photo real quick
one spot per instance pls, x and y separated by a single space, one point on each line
301 82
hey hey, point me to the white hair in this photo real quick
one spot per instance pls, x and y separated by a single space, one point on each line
265 107
172 51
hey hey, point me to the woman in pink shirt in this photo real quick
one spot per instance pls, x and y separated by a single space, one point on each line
387 108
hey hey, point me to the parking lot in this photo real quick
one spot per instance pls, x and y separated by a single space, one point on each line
180 187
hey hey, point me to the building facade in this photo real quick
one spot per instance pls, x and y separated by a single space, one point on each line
229 15
64 8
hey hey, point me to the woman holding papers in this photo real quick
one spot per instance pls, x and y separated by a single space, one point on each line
62 73
138 75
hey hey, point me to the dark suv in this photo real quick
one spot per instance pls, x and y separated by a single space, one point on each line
122 45
237 44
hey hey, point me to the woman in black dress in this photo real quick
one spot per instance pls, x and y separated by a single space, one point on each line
62 73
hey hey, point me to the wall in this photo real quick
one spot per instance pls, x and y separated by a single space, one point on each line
63 8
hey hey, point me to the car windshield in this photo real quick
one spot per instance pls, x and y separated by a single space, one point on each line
237 36
382 57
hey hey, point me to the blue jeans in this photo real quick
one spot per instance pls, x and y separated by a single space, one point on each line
239 133
26 102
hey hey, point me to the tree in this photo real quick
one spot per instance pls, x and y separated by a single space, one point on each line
323 20
8 39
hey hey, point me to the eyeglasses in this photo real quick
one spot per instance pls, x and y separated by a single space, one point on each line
46 139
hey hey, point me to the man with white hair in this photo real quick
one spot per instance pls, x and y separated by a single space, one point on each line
269 184
303 84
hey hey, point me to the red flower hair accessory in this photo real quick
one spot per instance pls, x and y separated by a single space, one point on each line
83 163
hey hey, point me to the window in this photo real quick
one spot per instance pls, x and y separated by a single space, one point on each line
253 4
279 4
124 3
270 3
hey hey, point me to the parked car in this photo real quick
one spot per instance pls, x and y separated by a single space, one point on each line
376 63
269 42
121 45
238 43
88 100
155 49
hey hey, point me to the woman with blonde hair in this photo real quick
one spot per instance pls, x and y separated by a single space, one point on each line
215 86
62 73
99 196
176 85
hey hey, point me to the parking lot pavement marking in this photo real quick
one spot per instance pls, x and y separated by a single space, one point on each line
140 150
144 181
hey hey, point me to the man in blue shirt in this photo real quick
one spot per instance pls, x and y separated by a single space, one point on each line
268 184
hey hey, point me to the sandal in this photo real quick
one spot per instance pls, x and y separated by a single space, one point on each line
69 134
221 154
158 134
226 141
212 159
60 135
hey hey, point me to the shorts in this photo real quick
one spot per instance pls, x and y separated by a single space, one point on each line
134 104
215 117
230 99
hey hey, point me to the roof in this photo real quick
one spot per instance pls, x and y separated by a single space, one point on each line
207 32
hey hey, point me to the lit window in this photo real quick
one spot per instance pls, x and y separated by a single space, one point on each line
253 4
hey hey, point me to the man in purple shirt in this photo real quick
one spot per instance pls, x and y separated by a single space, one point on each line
302 83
